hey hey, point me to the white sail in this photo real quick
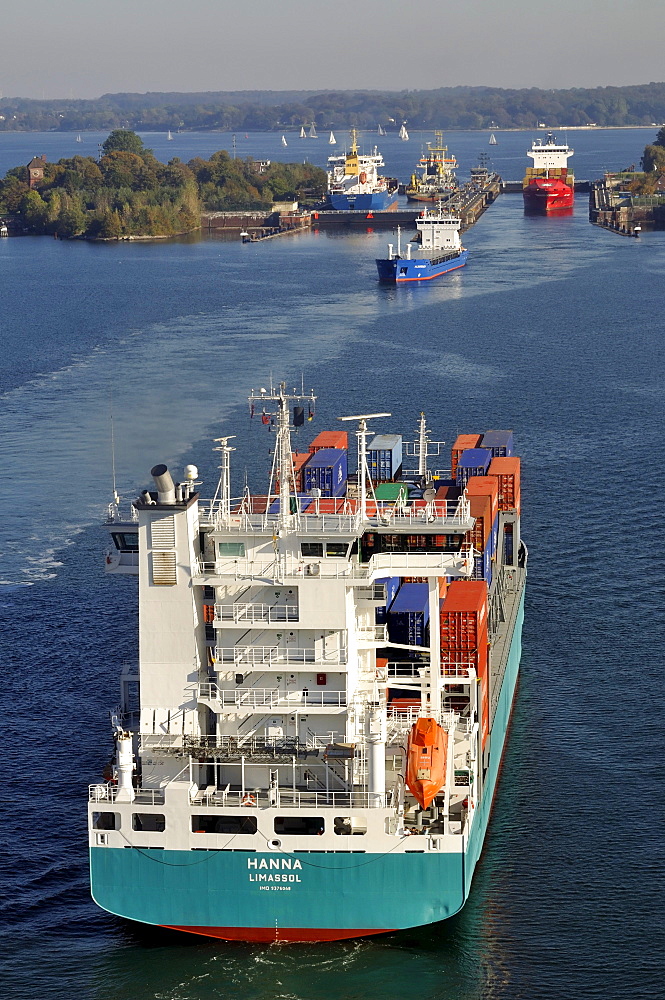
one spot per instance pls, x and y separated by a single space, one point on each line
332 140
403 134
381 130
312 131
284 142
492 140
303 134
169 136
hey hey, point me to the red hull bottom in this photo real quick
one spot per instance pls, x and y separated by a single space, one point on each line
548 196
268 935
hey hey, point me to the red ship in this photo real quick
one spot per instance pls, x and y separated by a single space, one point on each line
549 186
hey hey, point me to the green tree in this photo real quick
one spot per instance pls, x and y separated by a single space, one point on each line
654 159
34 211
123 141
660 138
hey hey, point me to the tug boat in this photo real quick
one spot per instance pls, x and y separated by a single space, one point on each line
434 250
308 744
549 186
354 182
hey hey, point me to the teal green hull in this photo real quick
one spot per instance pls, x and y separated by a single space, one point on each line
311 895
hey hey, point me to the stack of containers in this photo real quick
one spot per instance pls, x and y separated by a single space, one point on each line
463 628
408 617
329 439
507 473
391 583
384 458
483 495
472 462
500 443
326 470
300 460
462 443
297 503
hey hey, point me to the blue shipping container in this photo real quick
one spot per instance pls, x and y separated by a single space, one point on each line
408 616
326 471
473 462
384 457
500 443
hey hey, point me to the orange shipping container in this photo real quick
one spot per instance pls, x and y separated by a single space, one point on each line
480 508
482 486
329 439
462 442
507 473
463 625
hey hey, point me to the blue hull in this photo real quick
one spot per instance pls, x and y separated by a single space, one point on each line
400 269
312 896
361 202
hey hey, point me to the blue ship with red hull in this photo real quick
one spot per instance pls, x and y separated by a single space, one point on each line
261 789
355 182
435 250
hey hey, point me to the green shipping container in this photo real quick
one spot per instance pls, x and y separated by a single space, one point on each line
391 491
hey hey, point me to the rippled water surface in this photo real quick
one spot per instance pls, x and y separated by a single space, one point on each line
554 329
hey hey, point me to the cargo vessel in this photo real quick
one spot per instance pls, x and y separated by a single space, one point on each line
308 745
434 250
437 178
354 181
549 186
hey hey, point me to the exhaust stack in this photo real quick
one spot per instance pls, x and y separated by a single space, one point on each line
164 484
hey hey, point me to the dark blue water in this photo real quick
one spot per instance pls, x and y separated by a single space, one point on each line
554 329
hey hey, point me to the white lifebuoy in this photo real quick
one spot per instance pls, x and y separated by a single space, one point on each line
248 800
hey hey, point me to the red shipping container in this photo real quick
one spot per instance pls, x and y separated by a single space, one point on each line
462 442
482 486
463 625
329 439
300 460
507 473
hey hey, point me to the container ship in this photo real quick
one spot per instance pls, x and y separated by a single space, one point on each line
354 183
434 250
308 745
437 178
549 186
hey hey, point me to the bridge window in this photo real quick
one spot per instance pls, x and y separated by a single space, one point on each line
347 826
232 549
311 548
126 541
336 549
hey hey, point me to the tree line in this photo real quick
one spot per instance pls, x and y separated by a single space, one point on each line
446 107
128 192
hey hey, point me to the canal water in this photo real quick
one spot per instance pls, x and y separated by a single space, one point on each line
555 330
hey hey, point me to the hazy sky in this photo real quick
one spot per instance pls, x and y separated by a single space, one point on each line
84 48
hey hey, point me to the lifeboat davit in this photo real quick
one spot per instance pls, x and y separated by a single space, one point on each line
427 749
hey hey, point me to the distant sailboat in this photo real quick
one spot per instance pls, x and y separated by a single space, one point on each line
493 140
403 134
78 138
381 130
332 140
169 136
312 131
284 142
303 134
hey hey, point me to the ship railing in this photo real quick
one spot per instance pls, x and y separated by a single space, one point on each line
286 798
464 670
407 668
121 513
270 697
278 655
256 613
372 633
108 792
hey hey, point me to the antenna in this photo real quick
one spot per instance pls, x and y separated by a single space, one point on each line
223 490
116 498
283 460
363 471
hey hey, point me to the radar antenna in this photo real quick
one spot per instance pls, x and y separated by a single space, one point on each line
363 471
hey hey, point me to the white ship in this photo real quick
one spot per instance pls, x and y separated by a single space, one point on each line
308 746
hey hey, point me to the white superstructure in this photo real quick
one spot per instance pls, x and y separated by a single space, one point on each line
549 154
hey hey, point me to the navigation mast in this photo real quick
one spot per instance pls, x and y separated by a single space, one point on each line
363 471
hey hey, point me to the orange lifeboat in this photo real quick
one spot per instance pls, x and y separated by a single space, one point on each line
426 760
